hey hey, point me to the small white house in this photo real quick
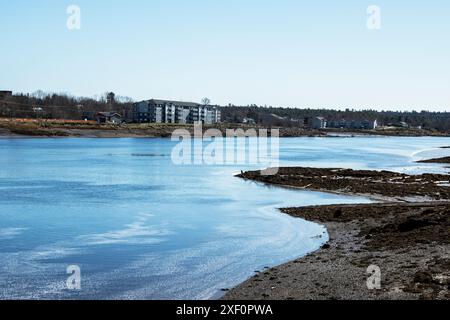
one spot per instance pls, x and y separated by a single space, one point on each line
248 121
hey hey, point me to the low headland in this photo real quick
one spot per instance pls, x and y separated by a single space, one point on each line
406 234
91 129
436 160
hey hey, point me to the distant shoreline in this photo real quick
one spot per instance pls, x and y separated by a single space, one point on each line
11 128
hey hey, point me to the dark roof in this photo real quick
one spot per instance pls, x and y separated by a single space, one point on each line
108 114
175 103
353 119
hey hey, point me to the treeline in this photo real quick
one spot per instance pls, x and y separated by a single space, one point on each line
289 116
64 106
61 106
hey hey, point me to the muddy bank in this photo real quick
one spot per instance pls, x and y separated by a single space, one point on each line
410 243
365 182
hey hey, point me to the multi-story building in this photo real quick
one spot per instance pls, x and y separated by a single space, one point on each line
318 123
165 111
322 123
352 124
5 94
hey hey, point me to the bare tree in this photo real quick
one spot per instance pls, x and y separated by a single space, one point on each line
124 99
39 94
206 101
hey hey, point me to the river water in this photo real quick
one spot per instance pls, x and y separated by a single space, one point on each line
140 227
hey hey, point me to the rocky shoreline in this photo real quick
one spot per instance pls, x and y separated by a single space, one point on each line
389 185
408 241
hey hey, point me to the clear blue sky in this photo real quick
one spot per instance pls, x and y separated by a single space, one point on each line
280 52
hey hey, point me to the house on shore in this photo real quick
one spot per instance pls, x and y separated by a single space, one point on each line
318 123
108 118
5 94
352 124
248 121
401 124
322 123
166 111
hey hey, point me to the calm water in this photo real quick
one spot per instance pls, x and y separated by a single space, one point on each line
141 228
